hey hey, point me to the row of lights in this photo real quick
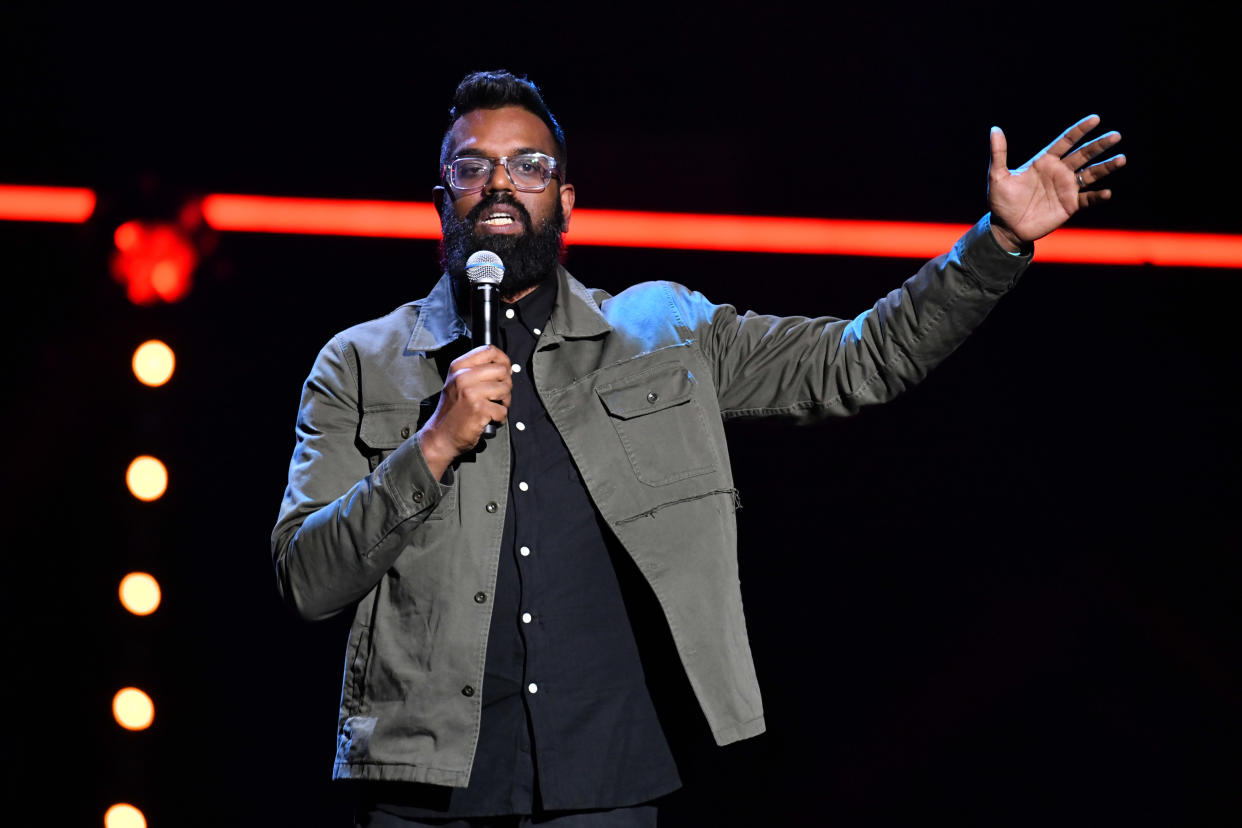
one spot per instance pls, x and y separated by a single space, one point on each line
147 479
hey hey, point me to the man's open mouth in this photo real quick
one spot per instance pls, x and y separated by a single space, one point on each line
501 216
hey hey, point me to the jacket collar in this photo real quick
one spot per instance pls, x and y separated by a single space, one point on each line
577 314
438 324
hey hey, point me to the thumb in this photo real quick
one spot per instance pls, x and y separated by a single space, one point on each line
1000 151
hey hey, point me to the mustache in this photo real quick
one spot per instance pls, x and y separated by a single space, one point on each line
472 218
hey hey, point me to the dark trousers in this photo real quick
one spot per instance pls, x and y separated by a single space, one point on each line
639 816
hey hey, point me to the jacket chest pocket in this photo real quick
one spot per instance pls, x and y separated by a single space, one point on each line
383 428
659 423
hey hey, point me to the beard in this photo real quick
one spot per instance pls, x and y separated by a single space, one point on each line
529 257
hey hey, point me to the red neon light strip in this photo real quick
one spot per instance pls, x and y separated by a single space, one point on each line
322 216
688 231
22 203
1133 247
760 234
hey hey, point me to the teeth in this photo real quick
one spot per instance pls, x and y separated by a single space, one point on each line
498 220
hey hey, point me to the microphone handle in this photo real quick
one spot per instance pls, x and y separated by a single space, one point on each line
485 328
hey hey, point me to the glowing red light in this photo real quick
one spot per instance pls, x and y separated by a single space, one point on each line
332 216
760 234
126 236
23 203
154 260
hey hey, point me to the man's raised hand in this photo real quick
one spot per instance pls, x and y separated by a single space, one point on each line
1031 201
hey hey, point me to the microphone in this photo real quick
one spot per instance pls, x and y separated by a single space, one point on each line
484 270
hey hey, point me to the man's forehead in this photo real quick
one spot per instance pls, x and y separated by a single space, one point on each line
500 131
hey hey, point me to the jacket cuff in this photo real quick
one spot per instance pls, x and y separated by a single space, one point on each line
409 480
992 266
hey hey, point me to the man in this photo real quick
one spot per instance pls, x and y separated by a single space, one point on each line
493 674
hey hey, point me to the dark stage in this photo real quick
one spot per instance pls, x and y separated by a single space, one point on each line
1008 598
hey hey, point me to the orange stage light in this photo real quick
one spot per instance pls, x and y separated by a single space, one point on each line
133 709
124 815
147 478
691 231
139 593
153 363
23 203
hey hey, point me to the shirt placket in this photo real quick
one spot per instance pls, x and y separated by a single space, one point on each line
524 500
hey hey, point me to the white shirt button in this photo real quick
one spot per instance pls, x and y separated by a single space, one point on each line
509 313
523 485
515 368
520 426
532 688
536 331
525 550
526 618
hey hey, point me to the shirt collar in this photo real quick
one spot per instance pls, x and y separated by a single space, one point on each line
534 309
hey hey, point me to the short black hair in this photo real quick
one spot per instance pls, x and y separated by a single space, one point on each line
492 90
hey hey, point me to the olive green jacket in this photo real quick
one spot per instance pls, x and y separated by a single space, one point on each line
639 386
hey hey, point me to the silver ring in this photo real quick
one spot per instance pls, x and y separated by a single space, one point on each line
1082 185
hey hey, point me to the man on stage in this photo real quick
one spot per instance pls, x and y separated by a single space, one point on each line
494 674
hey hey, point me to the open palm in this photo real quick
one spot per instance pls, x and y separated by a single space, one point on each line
1031 201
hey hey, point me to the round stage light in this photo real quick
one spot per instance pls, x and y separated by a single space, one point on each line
133 709
153 363
124 815
147 478
140 593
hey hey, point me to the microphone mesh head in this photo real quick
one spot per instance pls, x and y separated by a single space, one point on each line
484 268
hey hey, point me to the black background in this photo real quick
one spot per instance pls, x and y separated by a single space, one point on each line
1007 598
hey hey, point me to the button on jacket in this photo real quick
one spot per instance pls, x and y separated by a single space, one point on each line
638 385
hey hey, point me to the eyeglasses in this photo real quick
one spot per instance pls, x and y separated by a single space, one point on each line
530 173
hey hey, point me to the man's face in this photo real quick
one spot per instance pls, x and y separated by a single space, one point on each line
522 228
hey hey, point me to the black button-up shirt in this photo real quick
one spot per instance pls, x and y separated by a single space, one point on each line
568 721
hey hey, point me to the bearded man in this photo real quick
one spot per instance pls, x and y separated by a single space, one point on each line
494 674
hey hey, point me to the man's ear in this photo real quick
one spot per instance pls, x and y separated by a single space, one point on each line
439 197
567 204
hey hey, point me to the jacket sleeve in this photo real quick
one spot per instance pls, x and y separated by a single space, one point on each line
342 525
809 368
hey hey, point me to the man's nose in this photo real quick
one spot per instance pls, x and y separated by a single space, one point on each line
500 179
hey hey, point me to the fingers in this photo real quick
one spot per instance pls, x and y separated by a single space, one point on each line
484 373
478 391
1065 142
482 384
481 355
1095 172
1087 151
483 395
1078 160
500 393
499 412
1089 197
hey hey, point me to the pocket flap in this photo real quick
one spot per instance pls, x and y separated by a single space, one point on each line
387 428
648 391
